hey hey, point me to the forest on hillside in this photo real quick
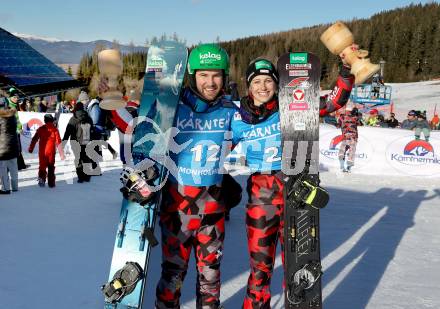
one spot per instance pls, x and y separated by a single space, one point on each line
408 39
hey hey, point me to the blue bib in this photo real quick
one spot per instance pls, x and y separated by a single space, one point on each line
203 135
259 144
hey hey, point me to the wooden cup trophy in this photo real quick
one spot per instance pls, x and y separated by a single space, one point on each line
110 67
339 39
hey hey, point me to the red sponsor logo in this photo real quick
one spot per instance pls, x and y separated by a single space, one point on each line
297 81
298 95
298 104
31 127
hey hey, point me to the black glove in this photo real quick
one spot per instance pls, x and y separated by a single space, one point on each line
345 71
231 191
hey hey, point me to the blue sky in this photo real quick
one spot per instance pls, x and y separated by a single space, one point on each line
194 20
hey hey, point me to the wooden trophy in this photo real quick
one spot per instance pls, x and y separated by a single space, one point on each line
110 67
339 39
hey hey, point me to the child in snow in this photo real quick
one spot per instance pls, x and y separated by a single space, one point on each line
50 139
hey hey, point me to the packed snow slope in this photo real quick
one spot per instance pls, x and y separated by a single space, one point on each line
417 96
380 239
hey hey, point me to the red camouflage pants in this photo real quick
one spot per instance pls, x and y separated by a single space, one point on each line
348 145
182 230
264 226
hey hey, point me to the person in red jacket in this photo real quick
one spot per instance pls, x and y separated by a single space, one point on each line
49 138
348 123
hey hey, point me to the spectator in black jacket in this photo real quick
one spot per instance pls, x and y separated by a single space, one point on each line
13 103
8 151
79 131
42 106
392 122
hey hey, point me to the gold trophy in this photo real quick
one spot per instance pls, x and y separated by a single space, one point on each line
110 67
339 39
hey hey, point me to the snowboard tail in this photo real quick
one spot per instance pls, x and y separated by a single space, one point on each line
299 116
163 81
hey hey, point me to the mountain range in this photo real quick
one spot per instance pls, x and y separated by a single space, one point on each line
70 52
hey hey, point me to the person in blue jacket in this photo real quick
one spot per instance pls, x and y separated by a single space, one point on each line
192 213
101 130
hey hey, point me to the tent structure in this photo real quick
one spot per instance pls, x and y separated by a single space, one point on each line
25 69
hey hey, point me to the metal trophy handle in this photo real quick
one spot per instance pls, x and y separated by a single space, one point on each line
338 39
110 67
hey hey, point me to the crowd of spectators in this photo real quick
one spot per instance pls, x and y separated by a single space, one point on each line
43 104
374 118
416 121
87 125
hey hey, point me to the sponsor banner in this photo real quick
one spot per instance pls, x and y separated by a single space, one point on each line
384 151
32 121
380 151
294 73
298 104
298 58
301 106
415 157
155 65
329 146
306 66
298 96
263 64
209 58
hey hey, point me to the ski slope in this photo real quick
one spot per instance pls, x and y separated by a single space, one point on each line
417 96
422 96
380 242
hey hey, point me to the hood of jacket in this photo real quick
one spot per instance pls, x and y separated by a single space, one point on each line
81 115
8 135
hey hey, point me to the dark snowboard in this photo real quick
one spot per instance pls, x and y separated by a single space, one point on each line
299 115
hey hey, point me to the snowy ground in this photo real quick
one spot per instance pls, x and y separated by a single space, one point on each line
417 96
380 241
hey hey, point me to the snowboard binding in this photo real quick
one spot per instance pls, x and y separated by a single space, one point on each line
302 281
136 184
305 190
123 283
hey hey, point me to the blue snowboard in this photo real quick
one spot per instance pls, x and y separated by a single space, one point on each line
166 64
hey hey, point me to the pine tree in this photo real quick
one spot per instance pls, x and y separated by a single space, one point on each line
408 39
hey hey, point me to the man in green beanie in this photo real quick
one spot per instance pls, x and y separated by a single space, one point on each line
12 103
